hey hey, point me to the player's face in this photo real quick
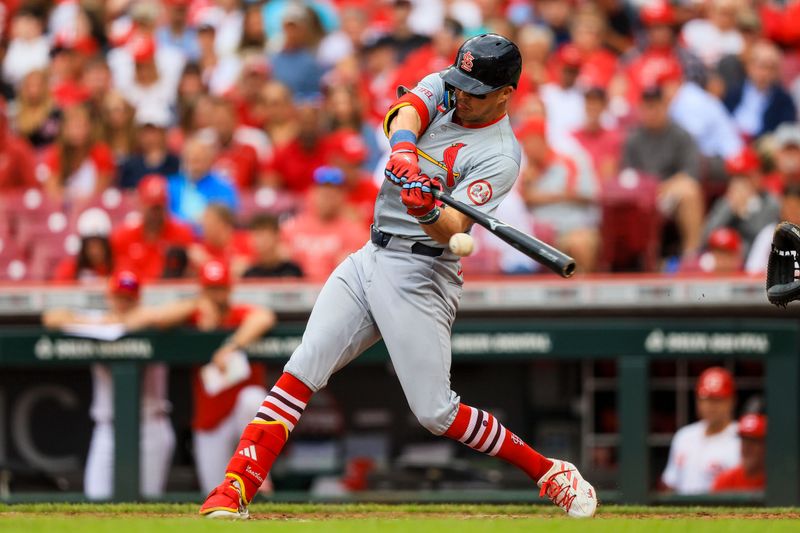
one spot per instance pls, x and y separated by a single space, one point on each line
753 455
480 109
717 412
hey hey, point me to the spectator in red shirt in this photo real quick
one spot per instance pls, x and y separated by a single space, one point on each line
17 160
142 246
604 145
661 52
751 474
221 241
587 29
236 161
77 166
94 259
69 54
348 152
322 235
294 163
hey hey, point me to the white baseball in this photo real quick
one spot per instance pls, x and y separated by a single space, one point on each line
461 244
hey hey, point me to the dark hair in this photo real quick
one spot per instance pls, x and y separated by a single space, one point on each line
264 221
792 189
82 261
223 212
453 26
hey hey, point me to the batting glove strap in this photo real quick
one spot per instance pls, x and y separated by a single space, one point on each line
431 217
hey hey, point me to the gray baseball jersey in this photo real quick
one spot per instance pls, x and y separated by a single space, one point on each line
477 166
410 300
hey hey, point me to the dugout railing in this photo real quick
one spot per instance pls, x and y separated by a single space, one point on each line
633 343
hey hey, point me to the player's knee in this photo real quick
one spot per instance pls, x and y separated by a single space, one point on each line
433 423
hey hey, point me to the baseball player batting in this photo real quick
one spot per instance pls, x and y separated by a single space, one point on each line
451 132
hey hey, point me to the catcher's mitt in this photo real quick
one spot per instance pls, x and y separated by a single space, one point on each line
783 285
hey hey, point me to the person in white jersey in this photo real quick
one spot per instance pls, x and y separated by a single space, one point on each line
703 449
157 437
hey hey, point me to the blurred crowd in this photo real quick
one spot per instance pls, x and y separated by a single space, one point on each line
154 136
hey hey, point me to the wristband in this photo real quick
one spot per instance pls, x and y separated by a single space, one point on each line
431 217
403 136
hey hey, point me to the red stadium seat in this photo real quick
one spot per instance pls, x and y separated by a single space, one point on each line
48 251
13 265
118 204
631 224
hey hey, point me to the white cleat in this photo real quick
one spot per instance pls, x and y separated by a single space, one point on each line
224 514
565 487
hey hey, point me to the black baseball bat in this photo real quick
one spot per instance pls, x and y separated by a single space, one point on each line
554 259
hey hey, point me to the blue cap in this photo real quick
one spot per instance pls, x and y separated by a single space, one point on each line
328 176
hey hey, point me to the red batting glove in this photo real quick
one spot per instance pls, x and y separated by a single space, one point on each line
403 163
417 196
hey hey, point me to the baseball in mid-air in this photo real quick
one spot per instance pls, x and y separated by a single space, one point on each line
461 244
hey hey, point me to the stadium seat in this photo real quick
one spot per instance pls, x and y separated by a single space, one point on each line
119 204
13 264
48 251
631 223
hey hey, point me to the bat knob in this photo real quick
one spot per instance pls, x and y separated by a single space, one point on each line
568 270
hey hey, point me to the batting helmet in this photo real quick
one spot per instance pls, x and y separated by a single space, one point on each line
484 64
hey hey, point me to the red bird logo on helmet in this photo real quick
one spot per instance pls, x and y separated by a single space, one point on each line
466 61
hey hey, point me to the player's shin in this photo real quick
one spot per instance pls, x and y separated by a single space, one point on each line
484 433
264 438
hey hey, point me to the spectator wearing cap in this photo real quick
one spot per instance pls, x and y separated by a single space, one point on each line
746 207
157 437
149 83
247 94
77 166
151 154
761 104
661 148
220 415
228 18
347 152
322 235
293 164
235 161
17 159
750 475
661 50
563 97
602 144
702 450
221 241
219 72
296 64
790 212
142 246
94 259
560 190
722 255
787 158
36 117
28 48
269 255
175 31
197 184
716 35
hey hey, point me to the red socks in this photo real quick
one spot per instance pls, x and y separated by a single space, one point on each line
263 439
482 432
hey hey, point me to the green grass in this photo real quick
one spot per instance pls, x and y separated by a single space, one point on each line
439 518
